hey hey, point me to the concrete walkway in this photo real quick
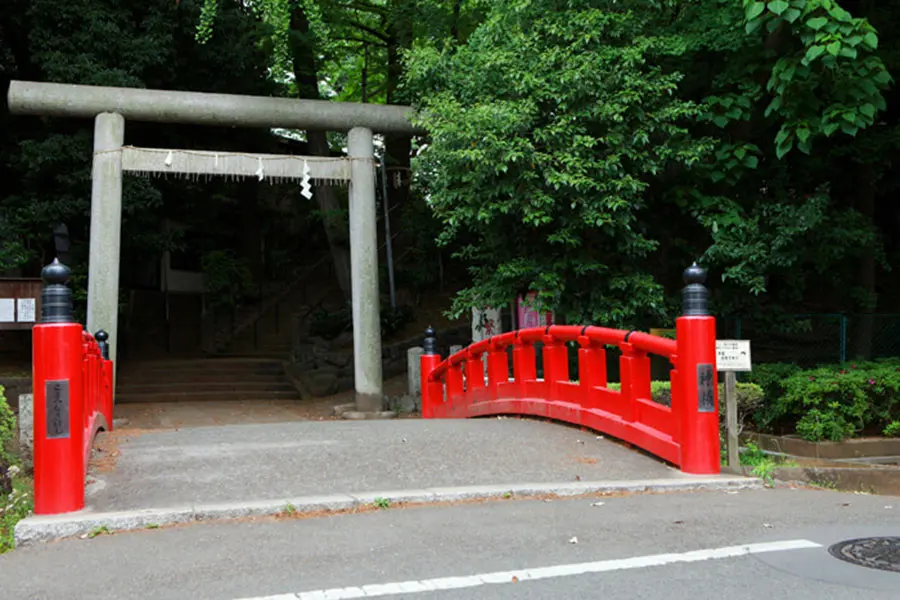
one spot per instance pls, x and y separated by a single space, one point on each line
140 478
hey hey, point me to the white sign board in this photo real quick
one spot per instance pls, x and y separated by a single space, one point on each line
25 310
733 355
7 310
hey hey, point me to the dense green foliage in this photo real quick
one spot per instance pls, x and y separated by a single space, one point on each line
830 402
7 433
591 150
586 150
749 395
834 403
15 493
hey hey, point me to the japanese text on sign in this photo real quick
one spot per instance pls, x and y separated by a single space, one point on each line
25 310
733 355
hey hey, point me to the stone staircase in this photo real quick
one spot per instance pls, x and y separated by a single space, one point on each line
249 361
204 379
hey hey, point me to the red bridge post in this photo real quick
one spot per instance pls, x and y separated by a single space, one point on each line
58 399
696 365
432 392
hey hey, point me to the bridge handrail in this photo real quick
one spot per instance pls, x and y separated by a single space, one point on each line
585 336
685 433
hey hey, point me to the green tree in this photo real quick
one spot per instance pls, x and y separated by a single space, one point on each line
591 150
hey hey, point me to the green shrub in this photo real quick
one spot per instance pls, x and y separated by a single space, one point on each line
749 395
329 325
16 499
893 429
834 403
770 377
7 431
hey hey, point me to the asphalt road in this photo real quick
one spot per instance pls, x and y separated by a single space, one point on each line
701 536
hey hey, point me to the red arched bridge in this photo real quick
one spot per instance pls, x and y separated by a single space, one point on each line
477 381
73 387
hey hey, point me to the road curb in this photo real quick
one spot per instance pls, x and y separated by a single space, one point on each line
37 529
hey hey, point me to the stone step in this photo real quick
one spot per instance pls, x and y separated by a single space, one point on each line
275 385
205 396
199 377
236 364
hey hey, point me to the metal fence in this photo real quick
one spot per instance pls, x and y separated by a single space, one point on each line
812 339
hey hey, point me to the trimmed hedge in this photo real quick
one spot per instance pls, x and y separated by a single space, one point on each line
749 395
831 402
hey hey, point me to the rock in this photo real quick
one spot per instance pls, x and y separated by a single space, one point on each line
406 403
414 370
26 422
338 359
360 416
322 383
344 340
340 409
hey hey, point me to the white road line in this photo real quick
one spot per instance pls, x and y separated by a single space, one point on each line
500 577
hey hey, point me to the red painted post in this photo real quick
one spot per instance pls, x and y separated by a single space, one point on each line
474 367
591 370
455 387
626 362
524 362
107 402
432 392
556 365
58 399
699 401
640 376
498 368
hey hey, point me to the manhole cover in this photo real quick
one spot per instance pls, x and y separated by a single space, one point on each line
875 553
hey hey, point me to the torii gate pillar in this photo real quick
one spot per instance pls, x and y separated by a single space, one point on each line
106 227
367 369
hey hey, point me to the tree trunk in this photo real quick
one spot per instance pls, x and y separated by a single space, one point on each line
865 323
397 147
330 203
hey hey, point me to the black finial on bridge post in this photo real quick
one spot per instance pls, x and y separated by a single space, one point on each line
430 345
56 297
695 295
103 342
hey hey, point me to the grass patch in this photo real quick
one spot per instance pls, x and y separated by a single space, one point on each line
15 507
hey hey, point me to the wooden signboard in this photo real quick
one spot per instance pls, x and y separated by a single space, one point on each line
20 303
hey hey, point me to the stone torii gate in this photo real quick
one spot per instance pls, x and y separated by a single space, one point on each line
110 107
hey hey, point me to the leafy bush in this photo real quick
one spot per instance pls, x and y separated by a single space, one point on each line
13 508
749 395
395 319
771 378
16 500
329 325
226 279
893 429
834 403
7 432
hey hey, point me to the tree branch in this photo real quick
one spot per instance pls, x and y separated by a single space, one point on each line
371 31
